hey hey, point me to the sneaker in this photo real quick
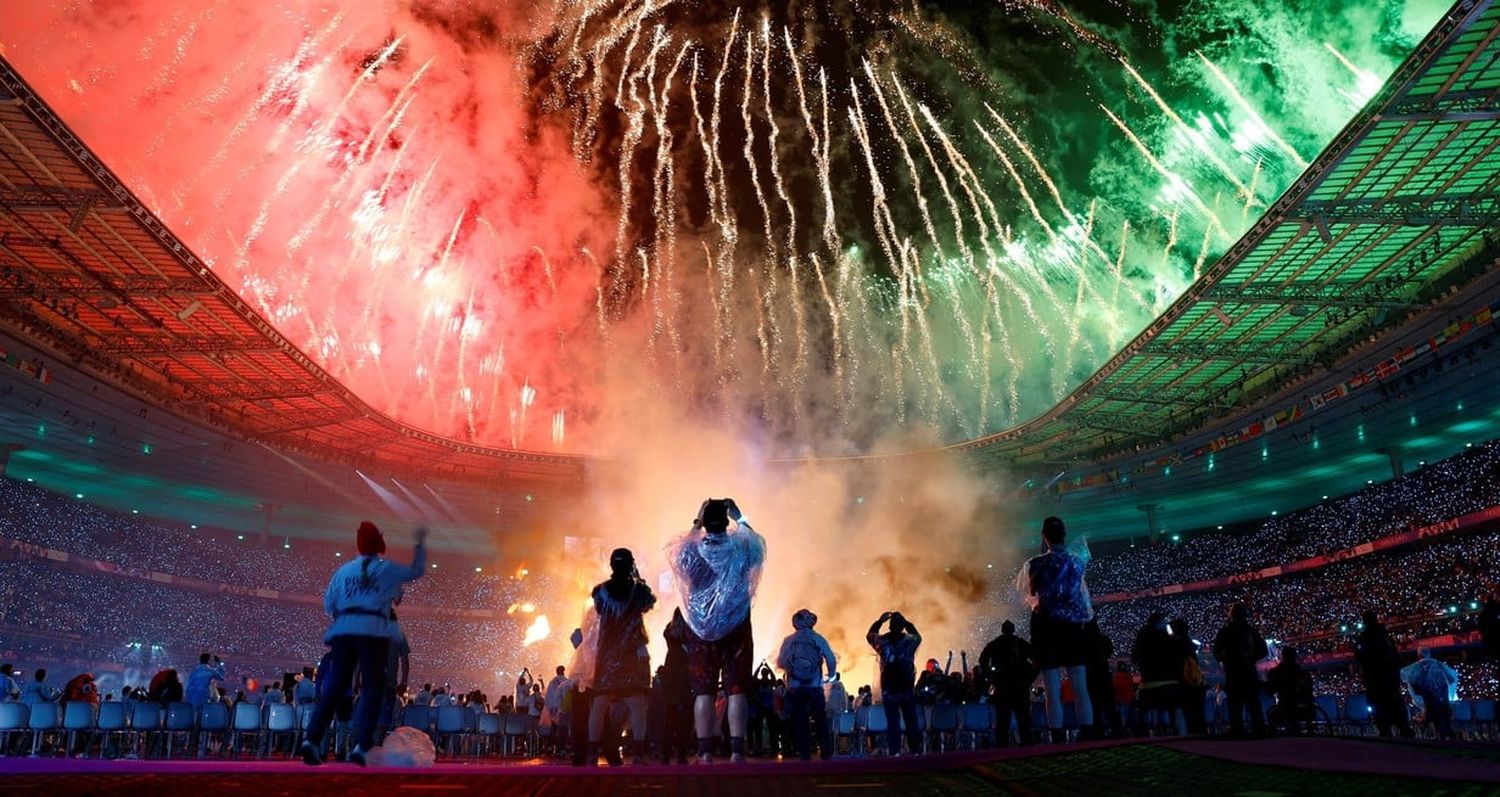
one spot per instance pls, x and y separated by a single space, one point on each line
736 758
310 755
704 759
357 756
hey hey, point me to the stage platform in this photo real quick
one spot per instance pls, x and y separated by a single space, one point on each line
1319 766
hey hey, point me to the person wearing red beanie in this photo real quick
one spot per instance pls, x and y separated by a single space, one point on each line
359 598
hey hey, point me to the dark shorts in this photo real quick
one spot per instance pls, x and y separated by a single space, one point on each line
731 656
1058 643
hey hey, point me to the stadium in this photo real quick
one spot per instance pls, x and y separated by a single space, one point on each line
1159 335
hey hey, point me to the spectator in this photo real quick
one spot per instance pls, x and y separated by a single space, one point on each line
166 688
1194 686
1159 660
677 692
1060 612
1007 666
1238 646
1124 693
201 679
618 667
359 599
1293 688
718 572
1378 662
1435 684
838 696
9 692
39 691
1100 650
897 649
1489 628
306 691
556 688
804 655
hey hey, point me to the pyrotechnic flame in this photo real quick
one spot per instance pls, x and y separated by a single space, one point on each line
539 630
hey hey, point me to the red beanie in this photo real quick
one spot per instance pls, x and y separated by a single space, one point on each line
369 540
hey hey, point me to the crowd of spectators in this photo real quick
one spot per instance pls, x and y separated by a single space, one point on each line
1465 483
73 619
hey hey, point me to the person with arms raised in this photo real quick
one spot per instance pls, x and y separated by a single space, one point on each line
717 570
359 598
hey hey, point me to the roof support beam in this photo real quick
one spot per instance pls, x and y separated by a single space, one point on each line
32 198
1190 397
1469 210
186 344
1455 106
1377 293
1127 425
1266 354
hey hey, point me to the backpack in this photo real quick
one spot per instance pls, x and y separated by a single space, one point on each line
1430 679
807 662
1192 672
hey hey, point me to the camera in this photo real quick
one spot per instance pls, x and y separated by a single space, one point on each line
715 515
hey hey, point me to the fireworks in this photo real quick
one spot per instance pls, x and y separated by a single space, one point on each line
826 224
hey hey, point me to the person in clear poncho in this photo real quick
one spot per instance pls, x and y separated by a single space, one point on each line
613 661
1061 608
716 571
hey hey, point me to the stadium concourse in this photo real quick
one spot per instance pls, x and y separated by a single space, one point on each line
1288 481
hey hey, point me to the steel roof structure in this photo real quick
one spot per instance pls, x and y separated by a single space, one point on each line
88 271
1400 208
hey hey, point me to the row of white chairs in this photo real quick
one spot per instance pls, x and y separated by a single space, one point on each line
144 729
476 734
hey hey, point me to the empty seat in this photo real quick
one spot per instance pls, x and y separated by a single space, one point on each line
516 727
419 717
979 723
875 726
213 718
248 719
281 720
43 717
181 719
113 718
944 724
12 720
450 723
78 717
1328 709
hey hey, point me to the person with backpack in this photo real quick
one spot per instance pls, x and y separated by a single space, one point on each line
804 654
1436 684
897 649
1238 646
1006 666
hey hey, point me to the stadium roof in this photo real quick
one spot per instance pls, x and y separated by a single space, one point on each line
1400 208
1390 216
88 270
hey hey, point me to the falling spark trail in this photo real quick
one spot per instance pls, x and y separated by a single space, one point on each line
1250 111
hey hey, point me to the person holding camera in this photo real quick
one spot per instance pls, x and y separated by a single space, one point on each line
200 680
717 571
1060 611
621 664
803 656
359 598
897 649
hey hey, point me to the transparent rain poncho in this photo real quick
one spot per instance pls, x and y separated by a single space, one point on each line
1065 600
717 574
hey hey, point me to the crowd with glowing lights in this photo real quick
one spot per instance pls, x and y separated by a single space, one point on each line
132 630
1464 483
